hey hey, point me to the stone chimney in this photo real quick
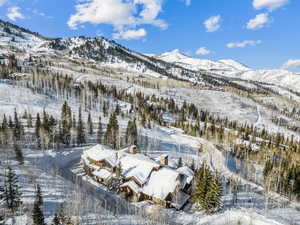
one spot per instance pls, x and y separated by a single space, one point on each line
164 160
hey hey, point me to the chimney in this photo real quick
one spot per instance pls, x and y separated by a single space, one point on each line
133 149
164 160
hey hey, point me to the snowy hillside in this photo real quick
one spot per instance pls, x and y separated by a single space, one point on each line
21 39
281 78
233 69
222 67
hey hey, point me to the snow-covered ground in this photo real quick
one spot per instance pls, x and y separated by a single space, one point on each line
249 209
172 141
43 168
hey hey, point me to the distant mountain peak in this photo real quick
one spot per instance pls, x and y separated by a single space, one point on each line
235 64
221 67
174 55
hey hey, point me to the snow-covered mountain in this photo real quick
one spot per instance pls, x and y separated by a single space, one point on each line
174 64
100 51
281 78
221 67
233 69
17 39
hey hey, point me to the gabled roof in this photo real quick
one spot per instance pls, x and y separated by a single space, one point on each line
189 174
138 166
100 152
103 174
133 186
162 183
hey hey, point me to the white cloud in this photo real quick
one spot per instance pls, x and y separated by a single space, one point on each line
188 2
14 13
259 21
130 34
243 44
212 24
203 51
122 15
2 2
269 4
38 13
292 64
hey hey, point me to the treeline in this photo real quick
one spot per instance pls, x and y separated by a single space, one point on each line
44 131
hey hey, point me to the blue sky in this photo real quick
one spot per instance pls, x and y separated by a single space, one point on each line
258 33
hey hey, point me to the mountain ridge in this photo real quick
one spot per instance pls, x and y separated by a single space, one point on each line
169 65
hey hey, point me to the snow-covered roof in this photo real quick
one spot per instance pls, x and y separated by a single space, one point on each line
148 176
189 174
162 183
138 166
133 186
102 173
100 152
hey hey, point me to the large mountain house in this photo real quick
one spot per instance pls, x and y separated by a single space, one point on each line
139 177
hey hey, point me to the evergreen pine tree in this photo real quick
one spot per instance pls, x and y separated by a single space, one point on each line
12 194
19 154
29 121
17 126
38 126
2 218
214 194
100 131
112 131
37 215
179 164
10 123
207 193
192 166
131 133
90 125
55 220
66 124
61 215
80 130
4 123
39 195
